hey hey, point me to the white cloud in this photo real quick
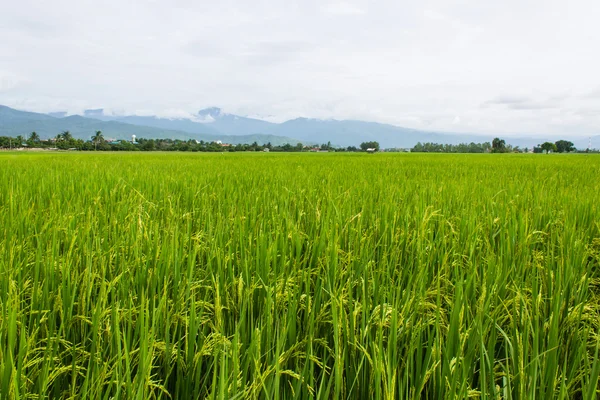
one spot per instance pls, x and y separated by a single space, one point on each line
173 113
10 81
206 119
342 8
507 66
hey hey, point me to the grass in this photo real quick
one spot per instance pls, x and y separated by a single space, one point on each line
269 276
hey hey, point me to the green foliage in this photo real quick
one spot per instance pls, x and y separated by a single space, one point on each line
369 145
264 276
450 148
98 140
33 140
548 147
7 142
499 146
564 146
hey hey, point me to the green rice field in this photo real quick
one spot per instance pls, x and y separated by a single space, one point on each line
299 276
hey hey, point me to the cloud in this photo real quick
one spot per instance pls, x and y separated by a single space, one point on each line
525 103
509 100
408 63
204 119
592 94
11 82
532 105
173 113
342 8
258 52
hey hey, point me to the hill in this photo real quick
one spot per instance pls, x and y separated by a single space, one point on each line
231 124
352 133
14 122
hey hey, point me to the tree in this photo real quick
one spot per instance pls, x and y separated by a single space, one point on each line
147 145
451 148
34 139
64 140
548 147
98 138
67 137
325 146
498 145
369 145
564 146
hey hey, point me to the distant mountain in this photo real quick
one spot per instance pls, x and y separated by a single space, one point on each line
14 122
208 121
184 125
99 112
213 124
9 116
58 114
231 124
352 133
213 121
83 128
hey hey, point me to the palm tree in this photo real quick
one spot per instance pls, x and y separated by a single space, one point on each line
64 140
67 137
97 138
34 138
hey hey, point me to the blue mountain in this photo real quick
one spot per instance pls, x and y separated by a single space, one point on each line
14 122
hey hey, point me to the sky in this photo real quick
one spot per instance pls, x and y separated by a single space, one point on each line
479 66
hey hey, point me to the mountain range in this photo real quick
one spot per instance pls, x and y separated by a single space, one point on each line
213 124
14 122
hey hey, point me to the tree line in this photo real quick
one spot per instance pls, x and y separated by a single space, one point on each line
451 148
97 142
561 146
496 146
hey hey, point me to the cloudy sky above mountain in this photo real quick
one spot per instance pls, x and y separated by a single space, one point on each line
452 65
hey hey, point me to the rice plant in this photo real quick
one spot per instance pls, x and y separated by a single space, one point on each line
299 276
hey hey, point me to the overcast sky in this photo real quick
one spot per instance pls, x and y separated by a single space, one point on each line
511 66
